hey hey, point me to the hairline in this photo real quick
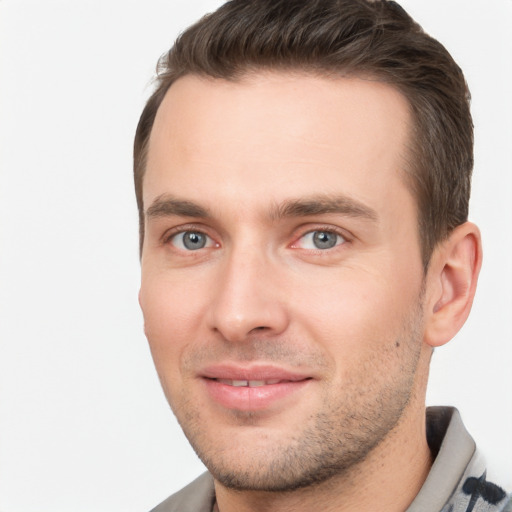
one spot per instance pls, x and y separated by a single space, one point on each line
410 171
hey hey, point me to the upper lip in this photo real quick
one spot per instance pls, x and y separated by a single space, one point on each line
252 372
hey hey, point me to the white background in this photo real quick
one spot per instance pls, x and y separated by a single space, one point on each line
83 422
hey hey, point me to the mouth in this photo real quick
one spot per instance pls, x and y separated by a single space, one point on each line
253 389
249 383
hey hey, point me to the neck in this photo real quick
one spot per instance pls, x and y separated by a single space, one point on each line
387 480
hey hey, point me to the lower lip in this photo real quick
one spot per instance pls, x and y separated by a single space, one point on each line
245 398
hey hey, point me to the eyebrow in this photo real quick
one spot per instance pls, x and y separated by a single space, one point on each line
321 205
167 205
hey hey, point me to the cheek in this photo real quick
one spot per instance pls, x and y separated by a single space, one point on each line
168 316
355 317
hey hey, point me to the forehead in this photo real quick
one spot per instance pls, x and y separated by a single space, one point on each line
273 134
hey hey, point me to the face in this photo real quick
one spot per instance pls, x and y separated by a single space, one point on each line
281 272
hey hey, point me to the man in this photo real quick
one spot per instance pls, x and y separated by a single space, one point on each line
302 174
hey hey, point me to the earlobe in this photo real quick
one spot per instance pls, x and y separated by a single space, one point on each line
451 284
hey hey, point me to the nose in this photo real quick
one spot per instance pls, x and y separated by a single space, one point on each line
248 298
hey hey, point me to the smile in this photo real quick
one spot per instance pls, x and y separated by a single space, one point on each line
249 383
252 389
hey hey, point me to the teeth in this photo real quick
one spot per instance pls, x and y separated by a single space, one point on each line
248 383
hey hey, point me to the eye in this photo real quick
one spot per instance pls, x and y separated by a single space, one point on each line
321 239
191 241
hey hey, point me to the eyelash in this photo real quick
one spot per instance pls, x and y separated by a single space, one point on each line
180 230
169 235
345 238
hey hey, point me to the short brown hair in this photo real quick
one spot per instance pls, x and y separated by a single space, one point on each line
340 37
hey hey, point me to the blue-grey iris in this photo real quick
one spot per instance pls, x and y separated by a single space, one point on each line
324 239
193 240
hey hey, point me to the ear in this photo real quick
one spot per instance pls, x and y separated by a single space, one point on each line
451 283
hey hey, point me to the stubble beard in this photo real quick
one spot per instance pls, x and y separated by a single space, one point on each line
334 442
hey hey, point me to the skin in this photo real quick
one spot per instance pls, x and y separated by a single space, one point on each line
257 167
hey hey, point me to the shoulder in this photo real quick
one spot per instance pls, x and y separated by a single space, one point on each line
507 505
479 494
482 502
459 480
198 496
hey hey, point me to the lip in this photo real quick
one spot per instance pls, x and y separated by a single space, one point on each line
267 386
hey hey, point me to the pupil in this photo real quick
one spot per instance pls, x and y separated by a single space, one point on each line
324 239
194 241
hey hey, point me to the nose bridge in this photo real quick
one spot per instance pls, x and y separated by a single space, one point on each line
246 296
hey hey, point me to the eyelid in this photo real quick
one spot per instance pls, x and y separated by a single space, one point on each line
170 233
306 230
299 233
